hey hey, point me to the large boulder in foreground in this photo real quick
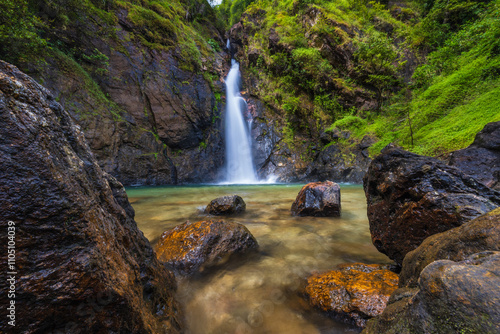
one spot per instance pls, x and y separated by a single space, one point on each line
411 197
320 199
452 297
353 292
82 264
481 159
192 247
481 234
226 205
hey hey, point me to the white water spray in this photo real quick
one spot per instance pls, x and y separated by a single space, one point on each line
239 162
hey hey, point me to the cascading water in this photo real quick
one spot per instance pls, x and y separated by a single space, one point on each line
239 162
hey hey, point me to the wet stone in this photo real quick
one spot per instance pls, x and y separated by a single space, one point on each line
226 205
319 199
353 292
192 247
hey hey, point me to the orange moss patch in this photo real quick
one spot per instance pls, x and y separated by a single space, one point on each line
191 247
356 291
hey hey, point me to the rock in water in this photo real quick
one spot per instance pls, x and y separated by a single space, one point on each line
411 197
320 199
191 247
481 159
354 292
226 205
452 297
481 234
82 264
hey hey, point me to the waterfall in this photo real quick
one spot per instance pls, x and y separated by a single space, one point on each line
239 163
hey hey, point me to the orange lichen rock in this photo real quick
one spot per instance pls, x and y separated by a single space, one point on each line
353 292
191 247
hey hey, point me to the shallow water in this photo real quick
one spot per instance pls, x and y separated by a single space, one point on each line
258 294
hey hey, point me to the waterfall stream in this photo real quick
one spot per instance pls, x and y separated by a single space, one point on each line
240 168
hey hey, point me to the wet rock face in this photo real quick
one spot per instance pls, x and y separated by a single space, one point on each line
353 292
82 264
335 162
192 247
481 234
452 297
320 199
412 197
167 125
481 159
226 205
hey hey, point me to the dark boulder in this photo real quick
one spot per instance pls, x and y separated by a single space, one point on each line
452 297
481 234
191 247
226 205
353 292
82 264
320 199
481 159
411 197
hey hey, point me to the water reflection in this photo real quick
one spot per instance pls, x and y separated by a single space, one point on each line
258 294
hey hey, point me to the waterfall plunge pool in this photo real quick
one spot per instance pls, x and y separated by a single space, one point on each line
258 294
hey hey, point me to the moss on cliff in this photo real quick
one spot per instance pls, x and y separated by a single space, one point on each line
422 74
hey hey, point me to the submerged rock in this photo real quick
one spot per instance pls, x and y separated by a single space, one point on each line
320 199
82 264
191 247
411 197
481 159
353 292
481 234
452 297
226 205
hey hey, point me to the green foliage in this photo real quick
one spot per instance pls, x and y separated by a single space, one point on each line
230 11
350 122
444 17
19 38
377 56
214 45
450 97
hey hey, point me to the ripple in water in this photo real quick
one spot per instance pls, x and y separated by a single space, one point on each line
258 294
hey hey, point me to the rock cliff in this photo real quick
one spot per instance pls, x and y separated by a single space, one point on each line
150 113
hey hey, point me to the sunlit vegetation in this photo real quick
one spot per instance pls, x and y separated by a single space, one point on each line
31 30
431 68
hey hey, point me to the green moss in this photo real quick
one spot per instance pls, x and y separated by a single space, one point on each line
88 89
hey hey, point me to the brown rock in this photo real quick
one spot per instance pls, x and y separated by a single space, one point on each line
452 297
354 292
82 264
320 199
148 119
226 205
191 247
412 197
481 234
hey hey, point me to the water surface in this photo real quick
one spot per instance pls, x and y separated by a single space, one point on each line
258 294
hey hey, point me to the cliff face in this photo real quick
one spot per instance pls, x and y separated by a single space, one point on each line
81 264
151 112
